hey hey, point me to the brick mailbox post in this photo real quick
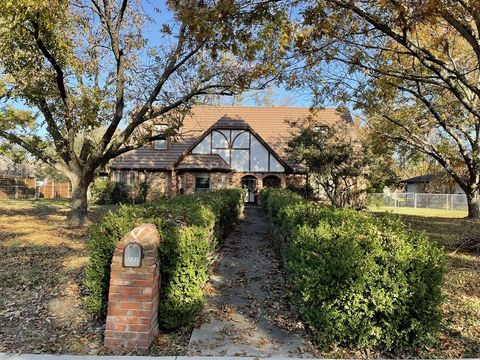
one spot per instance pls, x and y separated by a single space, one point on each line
132 316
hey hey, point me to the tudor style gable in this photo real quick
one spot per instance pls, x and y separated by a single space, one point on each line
240 147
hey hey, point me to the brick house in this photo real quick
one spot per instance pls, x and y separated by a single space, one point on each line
222 147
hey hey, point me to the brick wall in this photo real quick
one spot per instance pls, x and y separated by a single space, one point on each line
187 182
164 183
218 180
222 180
236 179
296 180
132 315
159 185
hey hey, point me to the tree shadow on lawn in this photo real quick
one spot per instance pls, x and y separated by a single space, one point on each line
460 333
39 212
48 209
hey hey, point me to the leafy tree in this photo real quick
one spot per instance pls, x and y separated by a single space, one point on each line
411 66
383 161
116 65
335 159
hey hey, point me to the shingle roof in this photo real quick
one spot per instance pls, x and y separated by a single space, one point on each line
228 122
270 123
419 179
147 158
206 162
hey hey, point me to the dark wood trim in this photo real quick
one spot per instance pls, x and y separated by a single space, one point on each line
286 167
211 142
202 169
240 133
195 143
250 153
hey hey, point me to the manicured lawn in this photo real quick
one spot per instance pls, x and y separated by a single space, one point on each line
460 336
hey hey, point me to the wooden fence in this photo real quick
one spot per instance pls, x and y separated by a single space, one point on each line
14 188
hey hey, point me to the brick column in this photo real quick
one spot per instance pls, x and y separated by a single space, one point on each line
132 316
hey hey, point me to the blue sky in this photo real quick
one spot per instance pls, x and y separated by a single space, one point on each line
276 96
279 95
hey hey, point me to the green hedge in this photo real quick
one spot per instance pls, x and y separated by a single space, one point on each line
360 281
190 227
106 192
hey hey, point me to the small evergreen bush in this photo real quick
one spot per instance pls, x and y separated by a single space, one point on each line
105 192
138 193
190 227
360 281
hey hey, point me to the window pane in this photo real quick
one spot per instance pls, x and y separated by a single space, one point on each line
203 147
225 154
160 144
133 177
275 165
240 139
226 133
259 156
219 140
122 176
240 160
202 182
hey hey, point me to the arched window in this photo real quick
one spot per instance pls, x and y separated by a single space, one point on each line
272 181
239 148
241 139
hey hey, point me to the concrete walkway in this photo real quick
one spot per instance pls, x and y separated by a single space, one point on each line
7 356
247 313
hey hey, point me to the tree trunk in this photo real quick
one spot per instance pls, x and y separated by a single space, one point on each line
79 208
473 200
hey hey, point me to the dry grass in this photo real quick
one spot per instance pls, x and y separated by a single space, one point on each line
41 265
41 271
460 336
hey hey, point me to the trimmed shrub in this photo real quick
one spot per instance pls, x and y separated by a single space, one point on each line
105 192
360 281
138 193
185 261
190 227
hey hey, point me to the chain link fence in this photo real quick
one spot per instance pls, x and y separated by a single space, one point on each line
419 200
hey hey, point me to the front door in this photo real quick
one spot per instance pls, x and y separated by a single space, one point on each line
249 183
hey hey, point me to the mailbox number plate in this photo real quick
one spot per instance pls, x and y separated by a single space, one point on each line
132 255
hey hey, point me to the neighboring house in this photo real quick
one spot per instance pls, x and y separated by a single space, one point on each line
437 183
10 168
222 147
417 183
